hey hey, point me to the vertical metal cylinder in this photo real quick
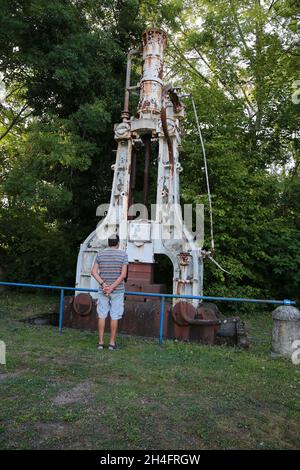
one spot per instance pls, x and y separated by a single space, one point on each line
125 113
154 43
146 171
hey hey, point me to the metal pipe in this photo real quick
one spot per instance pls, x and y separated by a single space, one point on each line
154 42
61 311
125 113
199 321
151 294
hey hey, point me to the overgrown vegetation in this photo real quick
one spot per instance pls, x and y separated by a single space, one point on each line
63 69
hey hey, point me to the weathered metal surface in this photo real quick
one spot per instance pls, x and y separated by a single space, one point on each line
82 304
203 323
140 318
72 319
167 233
146 170
165 127
140 279
157 120
183 312
141 272
154 43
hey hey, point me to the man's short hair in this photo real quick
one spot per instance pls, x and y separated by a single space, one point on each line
113 240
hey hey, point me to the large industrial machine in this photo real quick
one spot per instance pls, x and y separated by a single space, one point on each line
151 134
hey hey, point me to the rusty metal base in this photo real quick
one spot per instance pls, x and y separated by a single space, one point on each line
140 319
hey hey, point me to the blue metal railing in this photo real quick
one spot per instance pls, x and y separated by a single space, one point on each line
145 294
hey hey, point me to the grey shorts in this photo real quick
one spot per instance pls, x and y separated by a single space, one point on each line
112 304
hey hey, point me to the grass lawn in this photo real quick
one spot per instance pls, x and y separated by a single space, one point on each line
61 393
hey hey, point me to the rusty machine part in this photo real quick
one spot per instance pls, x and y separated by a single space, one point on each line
155 129
164 123
183 322
82 304
154 43
184 313
140 318
201 323
140 279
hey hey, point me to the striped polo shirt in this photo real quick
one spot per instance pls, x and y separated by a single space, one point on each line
110 262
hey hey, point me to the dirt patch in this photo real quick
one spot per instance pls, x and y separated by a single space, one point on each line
9 375
38 435
47 430
61 361
81 393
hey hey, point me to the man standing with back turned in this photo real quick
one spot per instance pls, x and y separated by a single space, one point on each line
110 270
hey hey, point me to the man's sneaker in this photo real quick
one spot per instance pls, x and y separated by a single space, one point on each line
112 347
100 346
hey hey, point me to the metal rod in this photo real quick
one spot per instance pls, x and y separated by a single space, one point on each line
162 317
61 311
146 170
125 113
46 286
148 294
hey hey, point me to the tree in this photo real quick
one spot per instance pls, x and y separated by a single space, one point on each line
236 60
63 67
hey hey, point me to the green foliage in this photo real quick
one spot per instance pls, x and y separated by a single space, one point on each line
63 67
243 95
64 63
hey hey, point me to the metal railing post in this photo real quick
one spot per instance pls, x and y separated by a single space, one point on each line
61 311
162 317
